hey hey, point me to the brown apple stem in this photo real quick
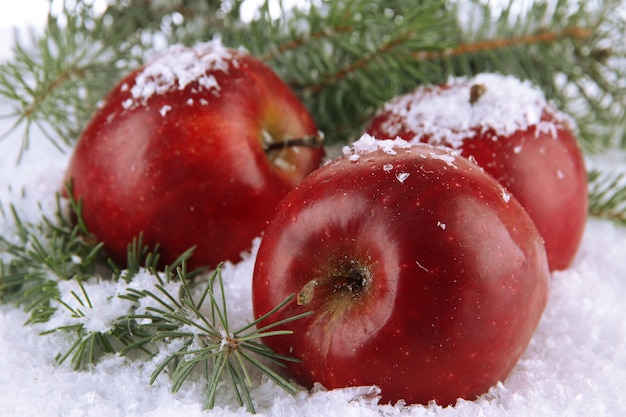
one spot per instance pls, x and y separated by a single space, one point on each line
476 92
352 283
312 141
306 293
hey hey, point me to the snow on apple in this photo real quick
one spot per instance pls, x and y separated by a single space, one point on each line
448 115
368 143
180 68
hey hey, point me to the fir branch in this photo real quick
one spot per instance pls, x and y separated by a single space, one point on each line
208 340
353 56
607 196
56 252
61 250
547 37
359 56
45 253
56 84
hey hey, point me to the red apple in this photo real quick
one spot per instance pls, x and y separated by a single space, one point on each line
196 148
512 132
425 276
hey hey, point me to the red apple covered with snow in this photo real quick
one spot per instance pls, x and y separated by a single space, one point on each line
196 148
425 277
512 132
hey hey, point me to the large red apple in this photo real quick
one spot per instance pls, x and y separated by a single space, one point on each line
424 275
196 148
510 129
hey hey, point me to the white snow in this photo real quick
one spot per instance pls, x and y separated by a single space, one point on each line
367 143
177 67
447 116
447 158
506 196
96 303
402 176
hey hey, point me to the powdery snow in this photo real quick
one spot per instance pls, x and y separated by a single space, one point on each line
447 116
575 364
176 68
368 143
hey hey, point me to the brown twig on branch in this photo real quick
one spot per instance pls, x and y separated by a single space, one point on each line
461 49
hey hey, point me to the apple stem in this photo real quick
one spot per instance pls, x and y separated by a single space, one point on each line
476 92
353 282
311 141
306 293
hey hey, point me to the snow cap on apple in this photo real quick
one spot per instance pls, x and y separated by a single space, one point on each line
509 128
195 148
424 275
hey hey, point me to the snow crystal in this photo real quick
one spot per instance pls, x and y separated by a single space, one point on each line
448 158
163 110
447 116
506 196
402 176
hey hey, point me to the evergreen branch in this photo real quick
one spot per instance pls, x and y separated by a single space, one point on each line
209 342
57 84
360 63
62 251
45 254
548 37
573 33
607 196
299 41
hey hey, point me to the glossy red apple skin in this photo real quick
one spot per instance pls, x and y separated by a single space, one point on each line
541 165
456 276
186 167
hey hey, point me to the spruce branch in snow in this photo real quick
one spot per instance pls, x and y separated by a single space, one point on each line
51 272
206 339
41 255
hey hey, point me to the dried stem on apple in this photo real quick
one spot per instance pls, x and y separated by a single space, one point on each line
311 141
354 281
306 293
476 92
